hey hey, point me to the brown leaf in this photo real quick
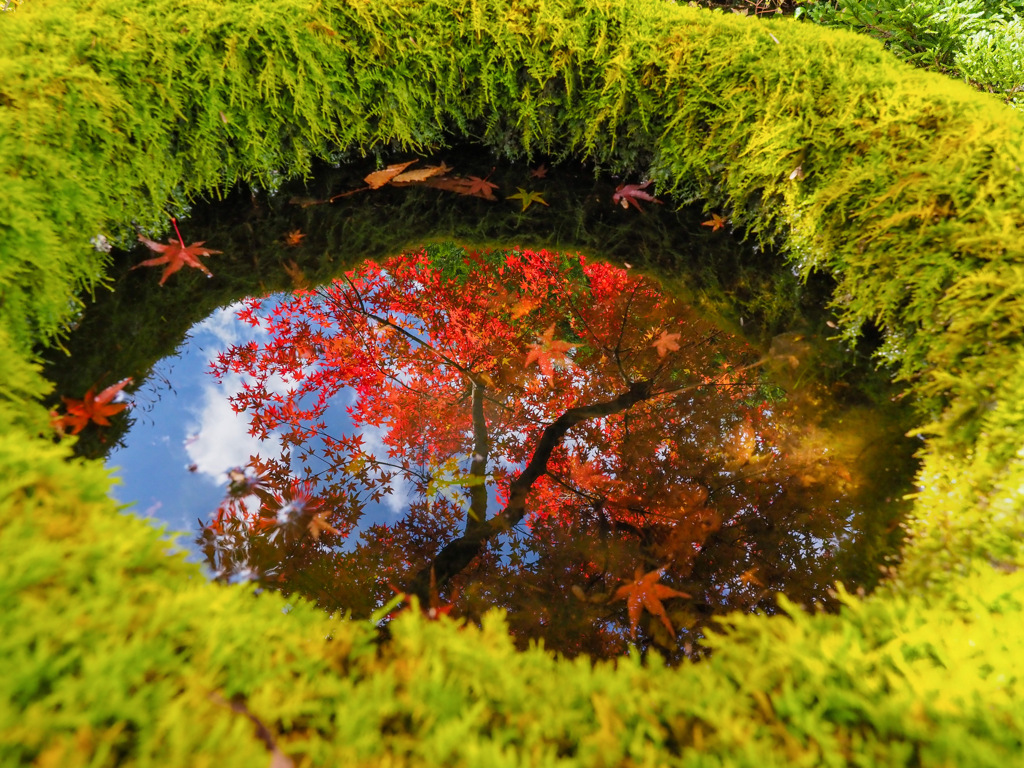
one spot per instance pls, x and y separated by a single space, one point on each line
306 202
667 342
318 524
472 187
378 179
481 187
420 174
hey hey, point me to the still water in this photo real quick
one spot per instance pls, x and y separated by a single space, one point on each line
517 428
520 427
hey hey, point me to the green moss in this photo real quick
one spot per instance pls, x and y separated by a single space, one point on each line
905 187
117 653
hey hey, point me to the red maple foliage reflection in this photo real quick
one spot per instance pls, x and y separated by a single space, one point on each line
555 423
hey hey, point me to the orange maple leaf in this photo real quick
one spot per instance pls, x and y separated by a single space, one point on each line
667 342
716 222
378 179
175 255
318 524
294 238
749 576
548 352
645 592
420 174
524 307
93 407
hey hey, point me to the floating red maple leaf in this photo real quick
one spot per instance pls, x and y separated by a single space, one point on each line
93 407
629 194
548 352
175 254
645 592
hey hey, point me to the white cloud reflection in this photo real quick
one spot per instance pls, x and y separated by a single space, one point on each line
225 327
218 438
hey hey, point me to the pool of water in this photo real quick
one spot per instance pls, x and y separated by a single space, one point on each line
612 460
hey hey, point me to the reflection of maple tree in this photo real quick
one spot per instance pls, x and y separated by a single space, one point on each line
637 438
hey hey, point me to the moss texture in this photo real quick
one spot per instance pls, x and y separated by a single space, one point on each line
904 186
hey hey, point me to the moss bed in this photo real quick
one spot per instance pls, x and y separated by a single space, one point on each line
905 187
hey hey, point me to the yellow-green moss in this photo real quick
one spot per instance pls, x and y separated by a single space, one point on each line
906 187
